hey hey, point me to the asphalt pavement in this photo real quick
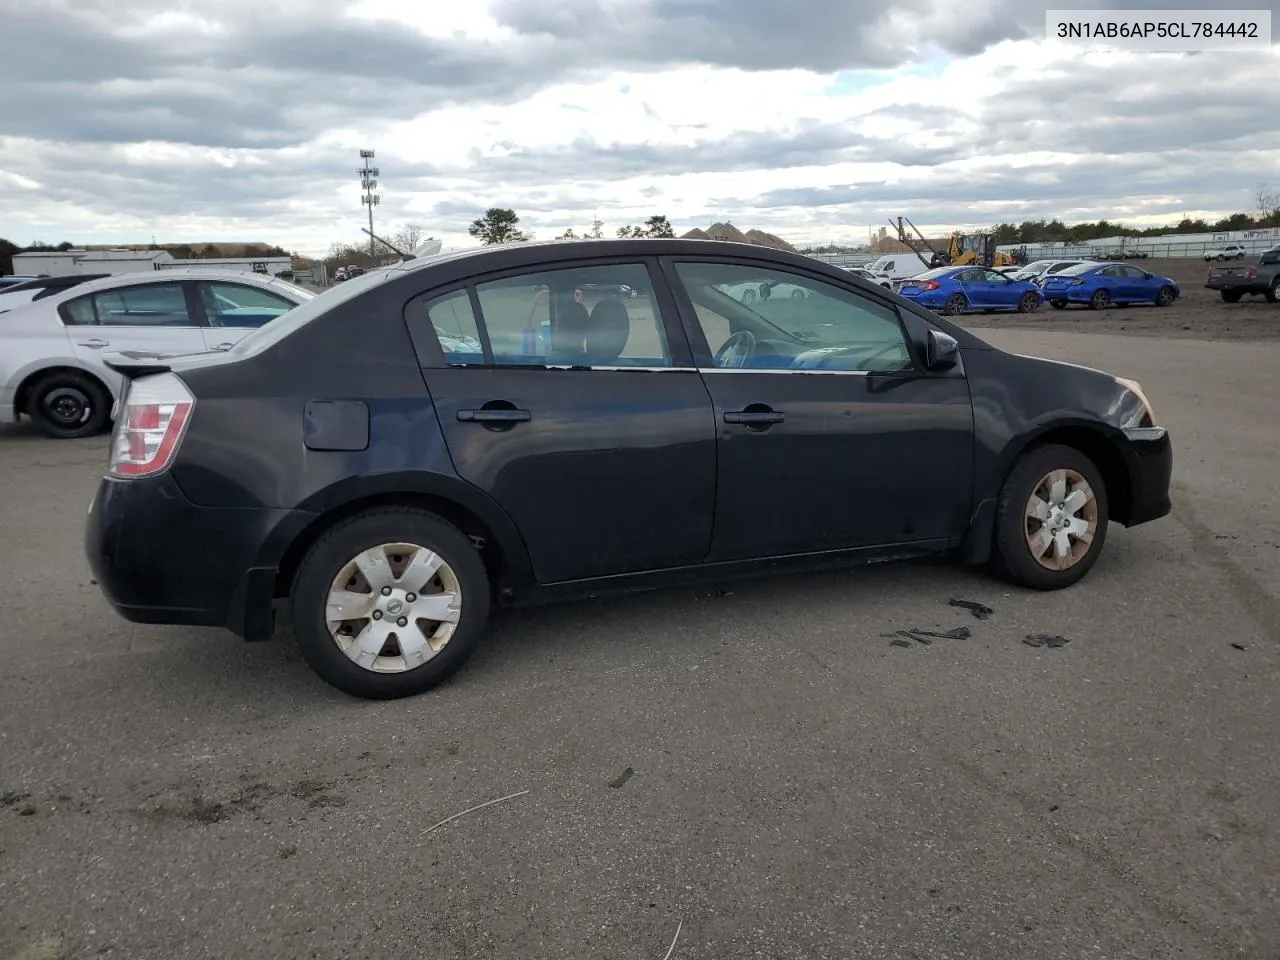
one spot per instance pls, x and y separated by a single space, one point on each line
752 771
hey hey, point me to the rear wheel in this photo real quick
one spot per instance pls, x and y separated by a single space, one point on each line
69 406
1051 519
956 304
389 603
1100 300
1058 304
1273 291
1231 296
1166 296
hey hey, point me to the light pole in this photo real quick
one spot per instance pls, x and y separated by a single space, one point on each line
369 182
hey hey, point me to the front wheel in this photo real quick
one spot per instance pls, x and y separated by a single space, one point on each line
69 406
956 304
389 603
1166 296
1029 303
1051 519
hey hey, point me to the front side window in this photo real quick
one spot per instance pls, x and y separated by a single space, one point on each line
802 324
143 305
602 316
238 305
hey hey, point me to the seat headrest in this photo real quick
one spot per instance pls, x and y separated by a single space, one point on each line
568 331
608 331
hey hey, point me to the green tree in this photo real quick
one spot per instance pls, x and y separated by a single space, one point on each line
655 226
568 235
658 226
597 230
498 225
7 249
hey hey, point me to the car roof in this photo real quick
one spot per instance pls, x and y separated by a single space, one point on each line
627 246
117 280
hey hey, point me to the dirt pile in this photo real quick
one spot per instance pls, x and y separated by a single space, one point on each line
728 233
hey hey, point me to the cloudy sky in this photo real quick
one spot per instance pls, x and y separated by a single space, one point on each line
814 119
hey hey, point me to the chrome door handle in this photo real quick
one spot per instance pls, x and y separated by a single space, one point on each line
224 346
753 417
95 343
499 415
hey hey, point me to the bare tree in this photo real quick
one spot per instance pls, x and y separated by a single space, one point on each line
1267 201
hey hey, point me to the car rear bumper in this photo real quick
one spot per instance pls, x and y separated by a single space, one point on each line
1069 294
159 558
930 301
1150 459
1231 285
8 413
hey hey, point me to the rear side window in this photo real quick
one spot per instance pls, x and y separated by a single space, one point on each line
79 313
591 316
144 305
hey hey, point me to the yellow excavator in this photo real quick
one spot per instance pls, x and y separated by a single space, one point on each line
962 250
978 249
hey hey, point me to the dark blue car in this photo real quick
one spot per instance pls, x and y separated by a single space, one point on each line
956 290
1099 285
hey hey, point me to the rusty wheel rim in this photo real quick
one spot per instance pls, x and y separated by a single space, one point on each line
1061 519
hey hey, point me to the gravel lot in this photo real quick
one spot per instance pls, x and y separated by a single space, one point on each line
798 787
1198 314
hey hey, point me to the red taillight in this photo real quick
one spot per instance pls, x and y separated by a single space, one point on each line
929 285
1253 274
153 418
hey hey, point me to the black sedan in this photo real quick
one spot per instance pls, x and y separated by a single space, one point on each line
503 425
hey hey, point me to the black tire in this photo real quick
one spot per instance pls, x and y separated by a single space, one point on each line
347 539
1273 291
956 304
69 406
798 294
1100 300
1165 296
1012 558
1029 303
1058 304
1231 296
748 295
1240 256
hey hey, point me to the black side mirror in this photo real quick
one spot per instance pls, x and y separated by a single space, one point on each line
942 352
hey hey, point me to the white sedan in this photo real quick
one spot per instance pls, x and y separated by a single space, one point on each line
51 349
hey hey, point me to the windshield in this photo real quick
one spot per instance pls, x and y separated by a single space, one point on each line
1075 271
271 333
934 274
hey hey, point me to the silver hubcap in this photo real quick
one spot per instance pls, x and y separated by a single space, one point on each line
1061 519
393 607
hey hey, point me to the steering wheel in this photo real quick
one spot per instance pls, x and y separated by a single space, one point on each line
737 350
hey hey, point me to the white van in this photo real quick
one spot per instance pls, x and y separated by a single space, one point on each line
897 266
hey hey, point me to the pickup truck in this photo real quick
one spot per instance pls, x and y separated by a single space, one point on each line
1235 281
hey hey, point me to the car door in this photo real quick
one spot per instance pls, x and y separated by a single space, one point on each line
578 411
976 289
230 310
153 318
1001 292
831 435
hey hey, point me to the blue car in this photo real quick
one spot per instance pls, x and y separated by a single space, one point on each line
1098 285
956 290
